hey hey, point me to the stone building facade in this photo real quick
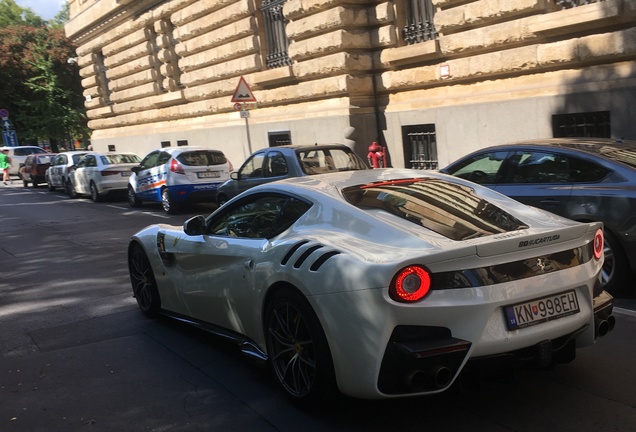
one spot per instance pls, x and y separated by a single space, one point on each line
428 79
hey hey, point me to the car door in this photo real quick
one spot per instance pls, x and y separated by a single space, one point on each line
218 272
251 173
150 176
540 178
82 175
55 172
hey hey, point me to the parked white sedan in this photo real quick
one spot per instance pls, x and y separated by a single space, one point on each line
99 174
379 283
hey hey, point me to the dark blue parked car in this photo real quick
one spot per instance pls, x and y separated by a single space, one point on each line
584 179
277 163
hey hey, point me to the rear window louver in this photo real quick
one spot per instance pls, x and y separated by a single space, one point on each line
313 251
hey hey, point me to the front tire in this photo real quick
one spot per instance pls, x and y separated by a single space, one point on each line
70 190
143 281
132 198
298 351
168 203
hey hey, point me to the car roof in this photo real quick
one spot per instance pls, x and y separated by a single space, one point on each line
301 147
595 146
186 148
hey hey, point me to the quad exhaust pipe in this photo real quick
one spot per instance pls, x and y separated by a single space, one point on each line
430 379
604 326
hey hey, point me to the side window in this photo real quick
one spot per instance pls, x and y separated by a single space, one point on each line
82 162
150 160
484 168
275 164
253 168
163 159
583 171
260 216
540 167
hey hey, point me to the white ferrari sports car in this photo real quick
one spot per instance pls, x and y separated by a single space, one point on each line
379 283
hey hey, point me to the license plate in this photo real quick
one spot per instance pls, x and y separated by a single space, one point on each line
209 174
125 174
541 310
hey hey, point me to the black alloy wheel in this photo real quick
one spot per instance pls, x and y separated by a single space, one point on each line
298 351
143 281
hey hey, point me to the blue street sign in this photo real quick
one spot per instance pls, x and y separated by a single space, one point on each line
6 124
10 138
4 113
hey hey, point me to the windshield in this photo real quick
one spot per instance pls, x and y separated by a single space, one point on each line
449 209
319 161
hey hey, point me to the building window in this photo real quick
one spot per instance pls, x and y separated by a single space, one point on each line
102 79
279 138
420 146
165 144
590 125
182 143
419 26
567 4
277 41
111 147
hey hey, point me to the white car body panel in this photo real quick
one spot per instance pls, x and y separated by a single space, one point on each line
225 280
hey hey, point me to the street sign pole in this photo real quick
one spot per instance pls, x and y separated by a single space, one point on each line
242 97
246 115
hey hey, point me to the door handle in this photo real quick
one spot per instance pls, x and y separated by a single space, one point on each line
249 264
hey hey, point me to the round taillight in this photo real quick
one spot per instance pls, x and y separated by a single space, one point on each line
176 167
410 284
598 244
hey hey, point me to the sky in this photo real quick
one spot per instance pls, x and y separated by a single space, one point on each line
46 9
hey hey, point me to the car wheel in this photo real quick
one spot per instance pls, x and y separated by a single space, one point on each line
70 190
132 198
297 347
143 281
615 266
34 183
25 183
168 203
94 193
51 187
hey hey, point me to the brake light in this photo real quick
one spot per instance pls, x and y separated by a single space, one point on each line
176 167
598 244
410 284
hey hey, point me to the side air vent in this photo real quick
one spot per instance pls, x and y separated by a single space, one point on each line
306 255
293 250
323 259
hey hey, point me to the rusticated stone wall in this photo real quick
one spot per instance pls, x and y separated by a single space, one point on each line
157 70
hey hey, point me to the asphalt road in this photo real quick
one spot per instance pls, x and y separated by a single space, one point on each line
76 354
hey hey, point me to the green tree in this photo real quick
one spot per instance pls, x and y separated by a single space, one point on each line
13 14
42 92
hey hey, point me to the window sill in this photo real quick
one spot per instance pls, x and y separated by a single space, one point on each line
410 54
273 77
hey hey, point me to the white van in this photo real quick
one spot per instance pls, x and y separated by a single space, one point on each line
19 154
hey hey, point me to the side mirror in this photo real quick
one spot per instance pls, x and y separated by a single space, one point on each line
136 169
234 175
194 226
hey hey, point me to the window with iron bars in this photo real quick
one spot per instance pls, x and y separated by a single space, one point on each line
420 146
589 124
277 41
419 21
567 4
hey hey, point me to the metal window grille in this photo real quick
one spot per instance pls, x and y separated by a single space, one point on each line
182 143
419 22
568 4
277 41
420 146
102 79
279 138
590 124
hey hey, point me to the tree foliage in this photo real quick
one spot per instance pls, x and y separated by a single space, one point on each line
41 90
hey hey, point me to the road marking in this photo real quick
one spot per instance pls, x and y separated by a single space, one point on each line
625 311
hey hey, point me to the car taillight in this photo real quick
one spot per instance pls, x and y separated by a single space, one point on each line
598 244
410 284
176 167
109 173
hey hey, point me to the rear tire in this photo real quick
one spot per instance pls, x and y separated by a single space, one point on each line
94 193
168 203
298 351
71 190
615 266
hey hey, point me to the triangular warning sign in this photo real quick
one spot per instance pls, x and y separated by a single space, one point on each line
243 92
